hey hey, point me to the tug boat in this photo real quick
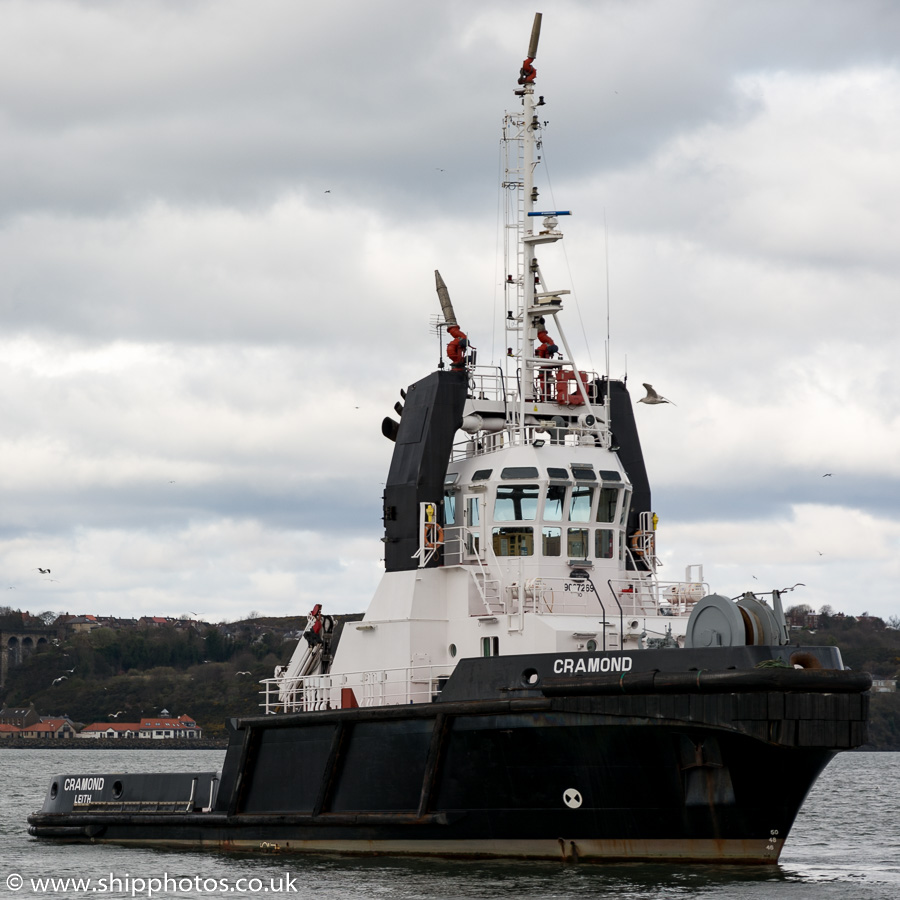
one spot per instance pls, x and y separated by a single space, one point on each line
524 682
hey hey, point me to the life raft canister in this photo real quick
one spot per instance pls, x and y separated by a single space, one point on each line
565 396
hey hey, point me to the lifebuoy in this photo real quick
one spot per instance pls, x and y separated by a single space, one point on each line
641 541
434 535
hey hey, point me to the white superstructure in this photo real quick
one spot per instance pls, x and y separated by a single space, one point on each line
535 546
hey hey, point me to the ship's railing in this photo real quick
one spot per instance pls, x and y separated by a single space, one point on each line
488 383
565 595
481 444
379 687
640 597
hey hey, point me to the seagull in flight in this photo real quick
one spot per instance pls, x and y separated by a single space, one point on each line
116 715
827 475
652 397
58 680
241 673
42 571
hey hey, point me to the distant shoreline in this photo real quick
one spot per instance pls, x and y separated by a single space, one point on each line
113 744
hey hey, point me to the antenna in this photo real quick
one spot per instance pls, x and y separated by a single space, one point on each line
606 252
607 400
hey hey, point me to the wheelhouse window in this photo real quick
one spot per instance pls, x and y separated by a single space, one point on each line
580 504
577 545
606 506
604 543
516 503
551 541
626 502
473 521
513 541
555 503
449 508
473 516
519 472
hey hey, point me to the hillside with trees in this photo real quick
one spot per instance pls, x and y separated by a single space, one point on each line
209 672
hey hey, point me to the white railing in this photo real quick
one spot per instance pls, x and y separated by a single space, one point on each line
487 383
652 598
380 687
636 596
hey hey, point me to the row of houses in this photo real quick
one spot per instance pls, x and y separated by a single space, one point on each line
152 729
26 723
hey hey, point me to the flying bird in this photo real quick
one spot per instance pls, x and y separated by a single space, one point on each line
798 584
116 715
42 571
58 680
70 671
827 475
241 673
653 397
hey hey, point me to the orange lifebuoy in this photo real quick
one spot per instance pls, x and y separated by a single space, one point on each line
638 540
434 535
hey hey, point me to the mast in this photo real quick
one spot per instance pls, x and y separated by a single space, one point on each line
530 125
535 305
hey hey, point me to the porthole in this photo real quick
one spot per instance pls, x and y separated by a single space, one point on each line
530 677
54 790
591 645
452 649
117 790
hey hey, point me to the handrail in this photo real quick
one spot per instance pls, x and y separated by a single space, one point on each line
312 692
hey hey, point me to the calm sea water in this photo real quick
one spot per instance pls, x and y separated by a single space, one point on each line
846 843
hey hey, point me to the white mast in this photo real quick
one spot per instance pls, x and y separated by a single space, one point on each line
521 140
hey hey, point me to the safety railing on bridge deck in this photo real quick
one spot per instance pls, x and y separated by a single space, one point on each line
644 597
380 687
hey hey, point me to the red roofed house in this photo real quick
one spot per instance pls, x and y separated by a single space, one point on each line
162 728
99 730
8 731
49 728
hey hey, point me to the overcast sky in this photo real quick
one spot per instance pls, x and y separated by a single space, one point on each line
218 225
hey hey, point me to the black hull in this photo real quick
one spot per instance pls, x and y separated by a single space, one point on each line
705 775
